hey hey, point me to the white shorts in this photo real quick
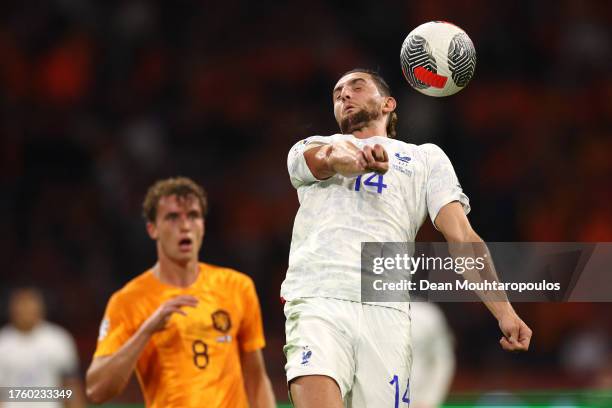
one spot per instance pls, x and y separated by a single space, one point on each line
364 348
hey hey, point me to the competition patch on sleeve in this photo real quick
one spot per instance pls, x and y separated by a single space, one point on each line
104 327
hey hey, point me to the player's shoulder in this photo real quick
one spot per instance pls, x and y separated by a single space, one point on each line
396 144
336 137
137 287
400 150
431 149
7 340
6 333
52 329
300 146
432 153
225 276
321 139
52 332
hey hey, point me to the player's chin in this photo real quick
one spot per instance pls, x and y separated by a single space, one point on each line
351 122
185 257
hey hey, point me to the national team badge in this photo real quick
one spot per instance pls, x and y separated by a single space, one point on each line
402 163
221 321
403 158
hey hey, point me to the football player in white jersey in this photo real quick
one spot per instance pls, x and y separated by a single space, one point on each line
36 353
363 186
433 365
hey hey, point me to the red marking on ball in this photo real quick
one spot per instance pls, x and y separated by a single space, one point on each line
430 78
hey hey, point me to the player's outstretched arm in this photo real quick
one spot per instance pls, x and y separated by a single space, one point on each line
256 381
454 225
346 159
107 376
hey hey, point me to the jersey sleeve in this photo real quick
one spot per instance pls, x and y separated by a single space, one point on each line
250 333
442 184
299 172
115 328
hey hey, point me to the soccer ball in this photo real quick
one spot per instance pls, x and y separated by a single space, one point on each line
438 58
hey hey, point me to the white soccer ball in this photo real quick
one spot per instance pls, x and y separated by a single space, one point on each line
438 58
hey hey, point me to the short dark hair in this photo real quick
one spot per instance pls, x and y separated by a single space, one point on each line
182 187
30 291
384 90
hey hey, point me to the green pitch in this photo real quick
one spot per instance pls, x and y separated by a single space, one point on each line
527 399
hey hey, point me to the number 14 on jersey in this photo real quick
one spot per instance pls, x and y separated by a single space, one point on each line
379 183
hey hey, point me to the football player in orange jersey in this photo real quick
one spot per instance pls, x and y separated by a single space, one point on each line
191 331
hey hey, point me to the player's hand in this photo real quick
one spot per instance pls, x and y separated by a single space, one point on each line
517 335
159 319
376 158
348 160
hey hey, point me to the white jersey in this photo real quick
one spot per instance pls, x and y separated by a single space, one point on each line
337 214
433 362
41 358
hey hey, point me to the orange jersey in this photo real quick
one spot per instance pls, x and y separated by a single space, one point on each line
195 360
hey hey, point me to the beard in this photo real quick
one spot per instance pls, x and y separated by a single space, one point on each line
360 119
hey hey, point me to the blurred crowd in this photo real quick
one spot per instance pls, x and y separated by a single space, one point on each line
100 99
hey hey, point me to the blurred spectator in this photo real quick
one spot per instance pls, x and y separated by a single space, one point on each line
433 361
37 353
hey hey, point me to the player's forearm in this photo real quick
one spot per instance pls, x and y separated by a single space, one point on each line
108 375
469 244
341 158
256 381
496 301
259 392
319 163
500 309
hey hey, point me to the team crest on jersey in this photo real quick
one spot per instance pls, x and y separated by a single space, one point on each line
104 326
403 158
221 321
401 164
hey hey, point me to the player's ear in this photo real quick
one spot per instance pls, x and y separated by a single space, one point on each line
152 230
389 105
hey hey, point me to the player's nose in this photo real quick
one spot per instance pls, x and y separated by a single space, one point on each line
184 224
345 94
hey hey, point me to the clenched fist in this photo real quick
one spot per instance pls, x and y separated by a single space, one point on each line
348 160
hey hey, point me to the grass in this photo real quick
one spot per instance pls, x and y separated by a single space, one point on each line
526 399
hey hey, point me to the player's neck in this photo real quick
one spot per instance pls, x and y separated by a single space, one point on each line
374 128
25 329
173 273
